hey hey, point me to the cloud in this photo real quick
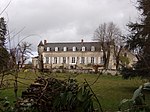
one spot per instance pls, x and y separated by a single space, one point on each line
66 20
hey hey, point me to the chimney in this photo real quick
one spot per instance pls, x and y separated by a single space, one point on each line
45 42
82 41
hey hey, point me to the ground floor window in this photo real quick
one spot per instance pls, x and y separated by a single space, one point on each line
92 60
55 60
64 60
73 59
102 60
47 60
82 60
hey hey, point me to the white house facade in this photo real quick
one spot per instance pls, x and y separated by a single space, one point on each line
70 55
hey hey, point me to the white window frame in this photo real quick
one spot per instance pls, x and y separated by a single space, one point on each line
83 48
46 60
92 60
56 48
64 60
73 60
65 49
48 49
55 60
74 48
92 48
82 60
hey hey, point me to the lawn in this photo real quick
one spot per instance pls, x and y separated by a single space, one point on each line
110 90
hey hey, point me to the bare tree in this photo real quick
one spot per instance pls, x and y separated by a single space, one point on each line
23 52
109 36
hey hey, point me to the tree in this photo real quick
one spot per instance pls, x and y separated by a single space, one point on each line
23 52
139 39
3 32
109 35
4 55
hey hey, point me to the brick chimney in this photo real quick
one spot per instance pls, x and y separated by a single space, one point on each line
82 41
45 41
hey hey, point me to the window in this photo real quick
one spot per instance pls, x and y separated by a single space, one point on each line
74 49
92 48
73 59
82 60
64 59
56 48
47 60
48 49
65 49
102 60
92 60
55 60
83 48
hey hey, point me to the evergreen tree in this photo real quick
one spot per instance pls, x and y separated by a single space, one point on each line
2 31
4 55
139 39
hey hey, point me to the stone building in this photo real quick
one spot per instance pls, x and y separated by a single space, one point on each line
70 55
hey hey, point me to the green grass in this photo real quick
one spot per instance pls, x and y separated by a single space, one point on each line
110 90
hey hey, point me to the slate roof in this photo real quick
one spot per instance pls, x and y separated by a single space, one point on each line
41 44
70 45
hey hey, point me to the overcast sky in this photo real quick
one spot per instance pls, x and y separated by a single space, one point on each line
64 20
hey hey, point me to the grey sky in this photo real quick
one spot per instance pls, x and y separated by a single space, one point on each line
65 20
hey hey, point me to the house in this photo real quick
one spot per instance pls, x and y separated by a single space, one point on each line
70 55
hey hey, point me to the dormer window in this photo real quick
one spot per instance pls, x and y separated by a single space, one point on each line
56 48
48 49
92 48
83 48
74 49
65 49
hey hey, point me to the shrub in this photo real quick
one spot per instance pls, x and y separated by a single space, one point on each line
137 102
52 95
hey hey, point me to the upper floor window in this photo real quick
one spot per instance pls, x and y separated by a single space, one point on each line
92 48
74 49
65 49
48 49
56 48
83 48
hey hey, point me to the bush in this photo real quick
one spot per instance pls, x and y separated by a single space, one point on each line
137 102
52 95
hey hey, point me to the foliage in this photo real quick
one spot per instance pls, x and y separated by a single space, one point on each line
52 95
4 55
109 36
104 88
137 102
3 31
124 60
126 72
5 105
4 59
139 39
23 52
